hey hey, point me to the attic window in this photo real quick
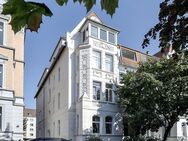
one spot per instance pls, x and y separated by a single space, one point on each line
94 31
129 54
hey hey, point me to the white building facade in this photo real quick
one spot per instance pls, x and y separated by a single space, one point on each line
29 124
75 97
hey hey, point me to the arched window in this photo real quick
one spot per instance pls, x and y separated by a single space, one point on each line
108 124
96 124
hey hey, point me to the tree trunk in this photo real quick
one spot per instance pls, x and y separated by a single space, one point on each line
167 131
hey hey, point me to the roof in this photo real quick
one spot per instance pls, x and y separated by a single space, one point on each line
93 14
124 47
29 112
50 69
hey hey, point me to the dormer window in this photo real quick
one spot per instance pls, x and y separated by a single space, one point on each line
111 37
94 31
129 54
103 34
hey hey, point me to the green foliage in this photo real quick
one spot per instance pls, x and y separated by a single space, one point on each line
29 14
93 139
172 26
25 14
155 95
141 139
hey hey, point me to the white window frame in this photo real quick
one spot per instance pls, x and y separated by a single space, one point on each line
5 21
3 76
96 122
97 60
109 37
95 94
107 93
92 35
100 34
109 63
111 123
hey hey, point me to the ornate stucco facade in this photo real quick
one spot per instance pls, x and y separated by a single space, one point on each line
11 81
75 97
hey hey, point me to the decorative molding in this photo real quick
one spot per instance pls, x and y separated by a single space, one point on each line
97 73
103 45
84 65
109 76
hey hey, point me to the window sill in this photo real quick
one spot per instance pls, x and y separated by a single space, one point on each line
104 102
107 42
111 72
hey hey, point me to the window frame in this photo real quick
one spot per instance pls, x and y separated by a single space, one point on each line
108 92
3 34
125 54
95 27
97 124
107 62
3 72
111 33
96 95
101 34
109 123
97 60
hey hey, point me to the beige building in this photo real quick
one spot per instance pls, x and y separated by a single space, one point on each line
29 124
11 81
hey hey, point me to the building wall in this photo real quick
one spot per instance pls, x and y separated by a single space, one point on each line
11 93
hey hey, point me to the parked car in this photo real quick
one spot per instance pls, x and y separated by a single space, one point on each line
49 139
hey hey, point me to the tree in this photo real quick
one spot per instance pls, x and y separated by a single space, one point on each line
156 95
172 27
29 14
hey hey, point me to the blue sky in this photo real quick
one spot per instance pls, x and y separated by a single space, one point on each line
133 18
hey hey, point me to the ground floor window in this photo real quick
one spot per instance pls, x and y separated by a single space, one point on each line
96 124
108 124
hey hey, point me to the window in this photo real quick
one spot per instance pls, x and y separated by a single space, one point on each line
59 74
109 63
1 75
129 54
59 100
111 37
1 33
94 31
108 92
0 118
96 90
108 125
59 128
103 34
96 124
85 34
31 124
96 59
49 96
